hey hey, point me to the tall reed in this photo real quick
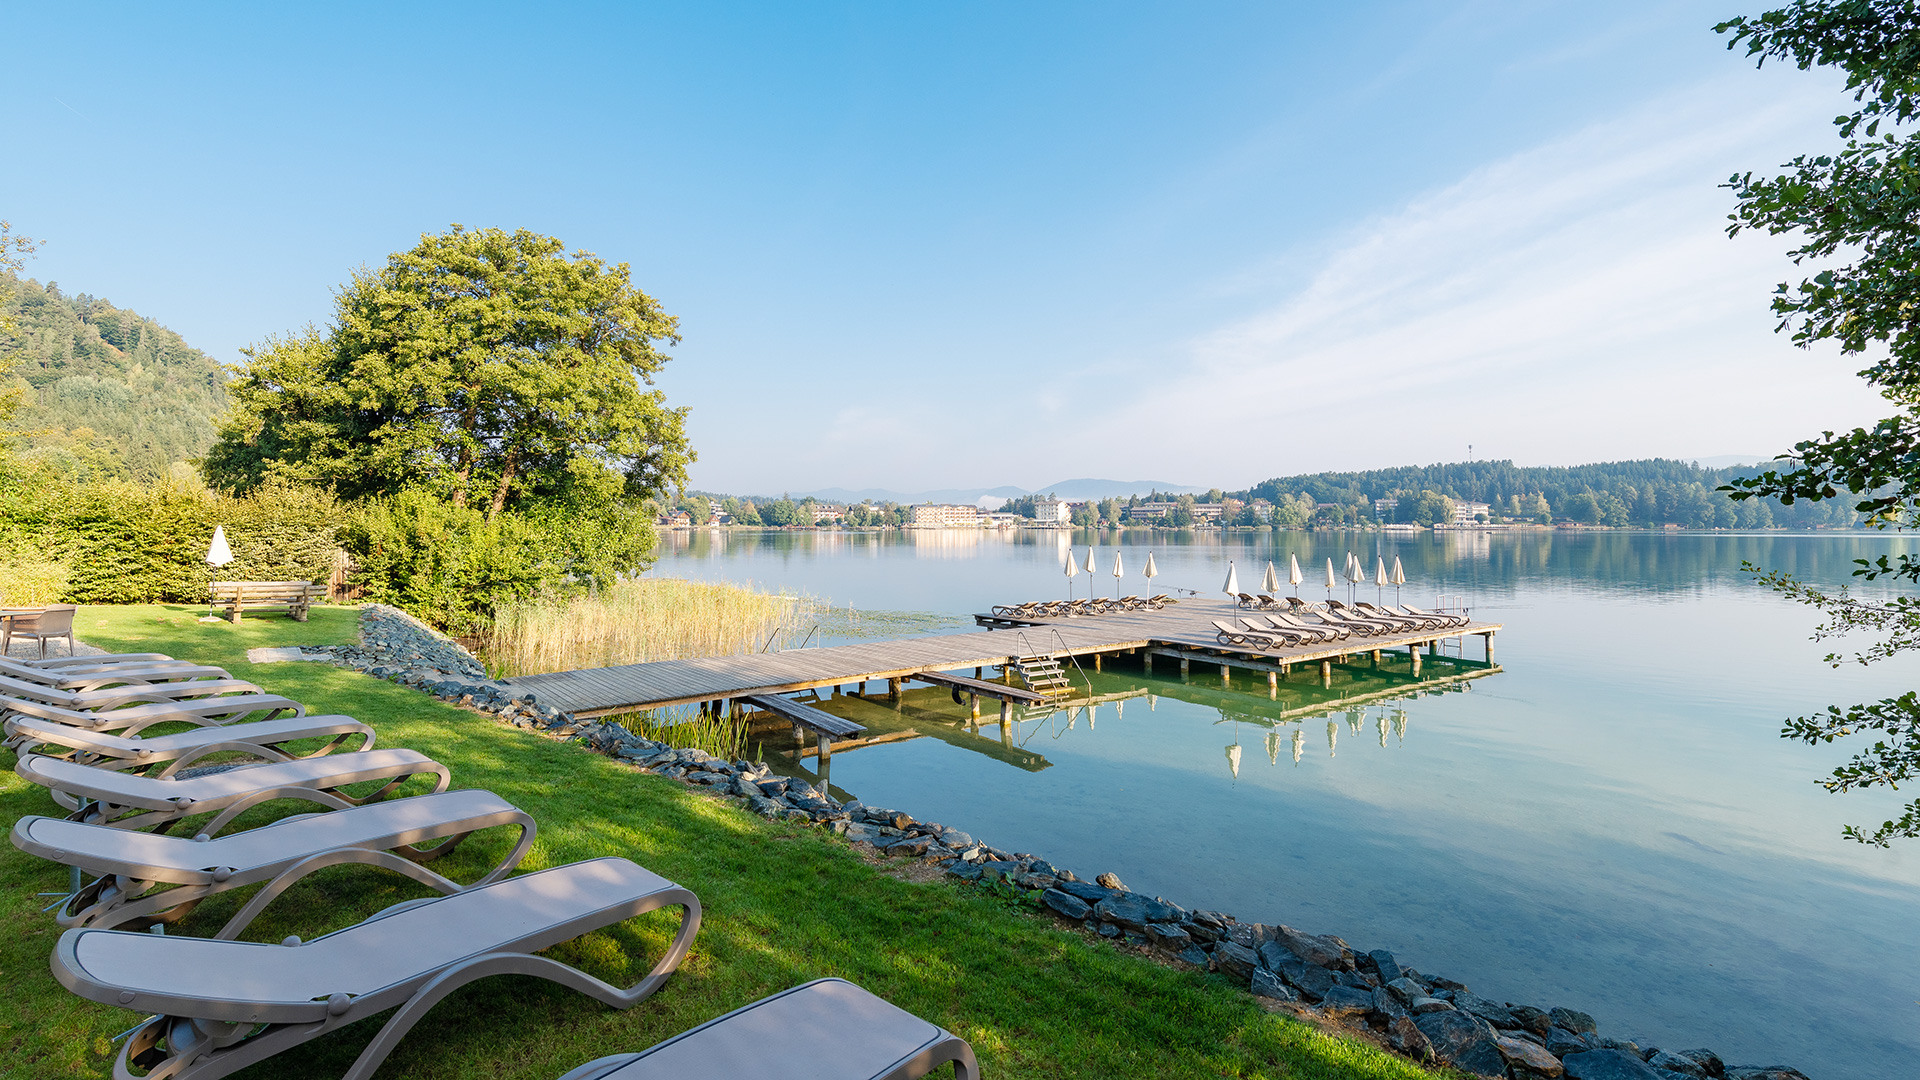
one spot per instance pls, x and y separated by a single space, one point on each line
686 727
637 621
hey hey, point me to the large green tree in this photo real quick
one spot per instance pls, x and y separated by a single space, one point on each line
1854 214
492 369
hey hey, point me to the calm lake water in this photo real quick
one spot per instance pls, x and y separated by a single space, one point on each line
1610 821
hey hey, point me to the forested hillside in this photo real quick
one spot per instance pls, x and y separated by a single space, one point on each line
108 393
1652 492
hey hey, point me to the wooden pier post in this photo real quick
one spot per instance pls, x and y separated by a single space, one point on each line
1376 658
1006 713
1183 667
973 706
1225 676
1326 673
1488 638
1273 684
1096 663
1414 651
893 689
1146 660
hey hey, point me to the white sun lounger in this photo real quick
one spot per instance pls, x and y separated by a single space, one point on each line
94 678
262 739
133 719
828 1029
143 878
224 1005
59 663
125 801
126 694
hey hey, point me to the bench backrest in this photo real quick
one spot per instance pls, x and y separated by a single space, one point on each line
265 590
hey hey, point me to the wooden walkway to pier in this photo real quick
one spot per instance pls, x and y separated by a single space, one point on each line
1182 632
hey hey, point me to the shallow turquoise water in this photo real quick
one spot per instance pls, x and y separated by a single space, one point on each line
1610 821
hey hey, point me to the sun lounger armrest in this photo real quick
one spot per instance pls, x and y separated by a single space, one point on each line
313 795
314 863
186 760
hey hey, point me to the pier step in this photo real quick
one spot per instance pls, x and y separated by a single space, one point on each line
1043 675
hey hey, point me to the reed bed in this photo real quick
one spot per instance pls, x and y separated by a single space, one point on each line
686 727
642 620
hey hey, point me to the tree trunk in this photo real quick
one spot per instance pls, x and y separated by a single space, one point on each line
506 483
462 475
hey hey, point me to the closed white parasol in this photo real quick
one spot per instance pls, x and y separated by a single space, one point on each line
1232 585
1379 578
1399 578
1073 569
218 553
1294 577
1150 572
1331 581
1271 583
1119 572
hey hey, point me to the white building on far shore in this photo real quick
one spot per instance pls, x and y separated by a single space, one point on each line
948 516
1052 511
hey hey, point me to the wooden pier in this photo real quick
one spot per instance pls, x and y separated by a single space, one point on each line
1182 634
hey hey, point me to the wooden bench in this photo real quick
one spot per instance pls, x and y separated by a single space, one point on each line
823 724
292 597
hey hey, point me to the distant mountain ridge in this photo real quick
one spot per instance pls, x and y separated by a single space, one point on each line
1076 490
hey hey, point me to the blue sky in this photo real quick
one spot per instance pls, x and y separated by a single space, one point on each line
922 245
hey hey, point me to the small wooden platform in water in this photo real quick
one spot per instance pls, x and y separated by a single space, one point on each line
1182 633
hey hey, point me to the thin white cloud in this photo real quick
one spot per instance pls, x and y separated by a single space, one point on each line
1573 302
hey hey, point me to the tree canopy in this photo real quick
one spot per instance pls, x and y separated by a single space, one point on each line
485 367
1854 214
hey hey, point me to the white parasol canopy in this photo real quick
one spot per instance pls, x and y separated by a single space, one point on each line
1073 570
1379 577
1119 572
218 553
1271 583
1232 585
1091 569
1330 578
1293 573
1233 759
1150 572
1398 579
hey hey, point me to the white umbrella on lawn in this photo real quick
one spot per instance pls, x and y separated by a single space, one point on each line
1399 578
1271 583
218 553
1150 572
1293 573
1232 585
1119 572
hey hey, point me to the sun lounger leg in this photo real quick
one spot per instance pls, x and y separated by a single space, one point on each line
481 967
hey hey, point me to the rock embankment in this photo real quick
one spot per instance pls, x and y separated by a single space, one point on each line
1426 1017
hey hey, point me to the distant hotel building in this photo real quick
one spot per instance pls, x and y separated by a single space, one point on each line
947 516
1465 512
1052 511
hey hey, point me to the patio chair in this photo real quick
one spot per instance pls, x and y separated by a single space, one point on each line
131 694
1160 600
825 1028
143 879
225 1004
109 675
61 663
162 756
1400 623
1365 627
124 801
133 719
1423 622
1246 601
52 622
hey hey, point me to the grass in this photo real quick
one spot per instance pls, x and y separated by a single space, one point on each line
637 621
784 904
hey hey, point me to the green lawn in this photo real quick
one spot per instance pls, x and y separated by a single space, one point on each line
783 904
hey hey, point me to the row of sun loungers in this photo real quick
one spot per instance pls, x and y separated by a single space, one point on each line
220 1004
1058 609
1299 623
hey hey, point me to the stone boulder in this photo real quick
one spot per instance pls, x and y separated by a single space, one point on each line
1266 984
1420 1006
1341 1002
1085 890
1497 1015
1066 904
1764 1072
1406 989
1526 1059
1110 881
1237 962
1561 1042
1463 1042
1324 950
1707 1060
1660 1059
1531 1019
1607 1065
1573 1020
1385 966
